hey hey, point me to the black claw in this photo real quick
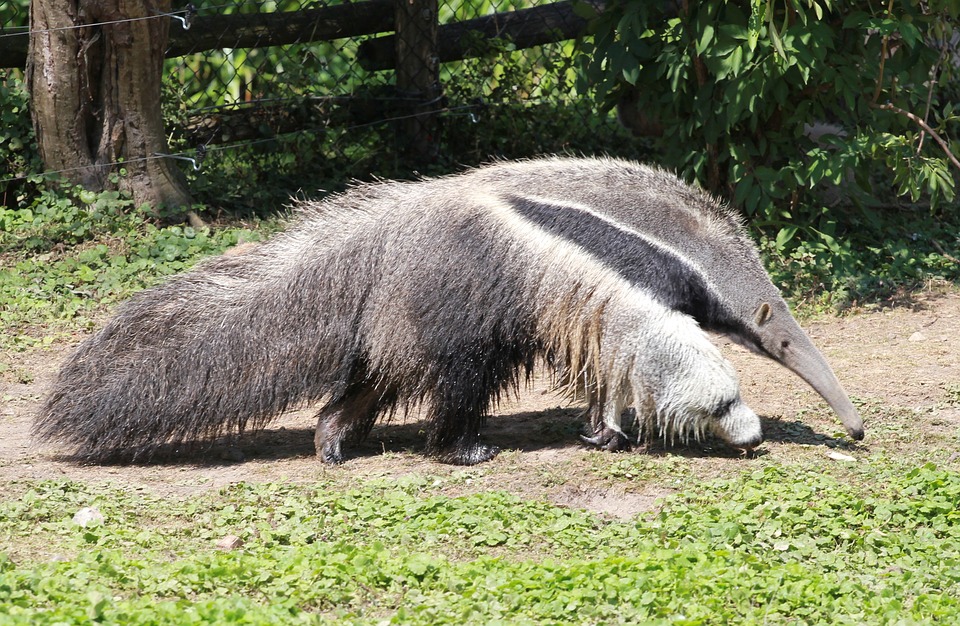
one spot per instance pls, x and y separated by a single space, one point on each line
593 441
470 455
608 439
331 455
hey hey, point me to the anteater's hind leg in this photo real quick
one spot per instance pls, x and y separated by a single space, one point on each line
455 439
346 420
469 380
459 409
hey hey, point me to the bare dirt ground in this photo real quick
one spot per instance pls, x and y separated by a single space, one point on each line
901 365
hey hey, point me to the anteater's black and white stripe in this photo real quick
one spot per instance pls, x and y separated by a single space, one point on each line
445 293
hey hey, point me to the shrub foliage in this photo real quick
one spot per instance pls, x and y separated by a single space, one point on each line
805 112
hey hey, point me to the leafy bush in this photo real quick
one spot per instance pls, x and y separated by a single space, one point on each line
18 150
835 269
503 104
525 105
799 111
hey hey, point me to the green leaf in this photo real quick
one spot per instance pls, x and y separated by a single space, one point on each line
775 38
758 10
706 38
784 236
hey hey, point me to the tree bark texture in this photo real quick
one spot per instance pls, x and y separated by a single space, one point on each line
95 95
418 76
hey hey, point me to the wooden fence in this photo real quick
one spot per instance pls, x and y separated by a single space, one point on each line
412 42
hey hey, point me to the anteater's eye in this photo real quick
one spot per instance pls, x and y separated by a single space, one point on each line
721 408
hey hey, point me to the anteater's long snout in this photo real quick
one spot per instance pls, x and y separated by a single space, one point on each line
803 358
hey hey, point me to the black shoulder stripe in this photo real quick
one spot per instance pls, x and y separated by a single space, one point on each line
659 271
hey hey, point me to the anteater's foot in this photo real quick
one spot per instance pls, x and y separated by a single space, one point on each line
331 454
608 439
347 421
329 438
468 455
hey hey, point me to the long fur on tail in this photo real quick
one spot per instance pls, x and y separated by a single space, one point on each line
442 293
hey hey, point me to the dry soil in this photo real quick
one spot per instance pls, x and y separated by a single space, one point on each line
901 365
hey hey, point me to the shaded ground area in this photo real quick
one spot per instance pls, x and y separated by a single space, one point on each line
901 366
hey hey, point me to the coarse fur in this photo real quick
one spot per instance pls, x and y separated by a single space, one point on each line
442 293
659 364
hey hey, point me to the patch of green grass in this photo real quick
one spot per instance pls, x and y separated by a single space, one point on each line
884 260
952 391
73 254
869 544
668 470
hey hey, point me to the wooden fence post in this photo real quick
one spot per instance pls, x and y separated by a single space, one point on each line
418 76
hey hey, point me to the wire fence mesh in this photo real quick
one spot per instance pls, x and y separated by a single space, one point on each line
271 97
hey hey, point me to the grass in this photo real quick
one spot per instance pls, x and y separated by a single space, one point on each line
67 260
770 541
774 544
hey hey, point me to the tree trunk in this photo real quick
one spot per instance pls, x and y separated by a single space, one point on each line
95 95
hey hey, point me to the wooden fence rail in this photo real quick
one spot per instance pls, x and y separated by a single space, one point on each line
414 51
525 28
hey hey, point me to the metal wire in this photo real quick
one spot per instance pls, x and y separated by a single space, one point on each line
287 110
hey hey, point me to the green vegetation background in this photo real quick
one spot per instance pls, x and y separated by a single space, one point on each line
844 222
775 545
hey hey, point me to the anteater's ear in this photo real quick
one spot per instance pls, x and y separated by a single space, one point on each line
763 314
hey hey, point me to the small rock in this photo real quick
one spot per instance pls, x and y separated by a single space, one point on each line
88 516
918 336
839 456
229 542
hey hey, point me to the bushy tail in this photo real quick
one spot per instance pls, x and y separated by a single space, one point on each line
225 347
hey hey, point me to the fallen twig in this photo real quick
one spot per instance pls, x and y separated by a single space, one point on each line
944 253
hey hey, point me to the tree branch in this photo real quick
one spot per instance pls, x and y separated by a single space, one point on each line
883 58
926 127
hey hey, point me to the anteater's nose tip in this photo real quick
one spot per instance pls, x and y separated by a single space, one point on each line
748 446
